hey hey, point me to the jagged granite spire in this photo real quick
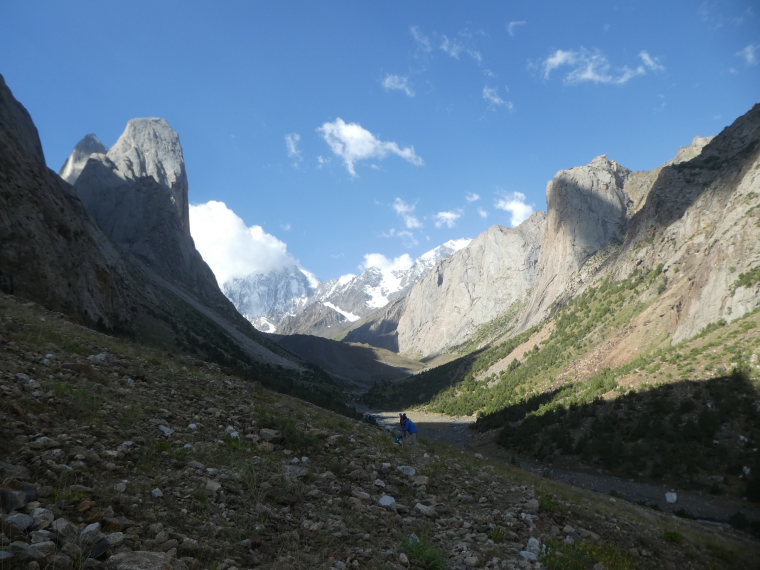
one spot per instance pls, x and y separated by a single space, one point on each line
74 164
150 147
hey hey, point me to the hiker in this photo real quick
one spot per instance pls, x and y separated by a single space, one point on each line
408 429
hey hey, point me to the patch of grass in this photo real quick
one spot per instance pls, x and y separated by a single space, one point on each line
585 554
547 504
424 553
673 536
497 534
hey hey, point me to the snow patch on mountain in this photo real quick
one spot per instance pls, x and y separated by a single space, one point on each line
350 317
266 299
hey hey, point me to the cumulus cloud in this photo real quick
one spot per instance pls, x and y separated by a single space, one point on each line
230 247
352 143
584 65
750 54
406 212
291 143
515 203
492 96
447 219
398 83
513 25
472 197
379 261
482 213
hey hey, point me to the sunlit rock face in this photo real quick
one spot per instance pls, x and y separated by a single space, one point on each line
472 287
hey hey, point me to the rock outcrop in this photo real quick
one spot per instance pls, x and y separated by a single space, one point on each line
77 160
51 250
586 210
472 287
696 216
701 222
54 254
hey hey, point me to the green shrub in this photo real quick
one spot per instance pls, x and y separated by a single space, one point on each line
424 553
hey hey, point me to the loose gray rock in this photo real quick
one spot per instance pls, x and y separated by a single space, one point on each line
387 501
17 524
141 560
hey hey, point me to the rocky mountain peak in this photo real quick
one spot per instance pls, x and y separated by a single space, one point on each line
75 163
150 147
686 153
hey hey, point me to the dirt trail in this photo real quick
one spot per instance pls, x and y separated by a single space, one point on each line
454 430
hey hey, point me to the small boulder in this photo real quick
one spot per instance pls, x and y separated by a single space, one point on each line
387 502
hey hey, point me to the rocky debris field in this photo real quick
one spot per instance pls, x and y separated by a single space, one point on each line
119 457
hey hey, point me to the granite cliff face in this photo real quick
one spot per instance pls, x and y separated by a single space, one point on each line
701 222
54 253
137 194
51 251
586 210
695 217
472 287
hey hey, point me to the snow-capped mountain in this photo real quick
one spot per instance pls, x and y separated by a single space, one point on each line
265 299
292 300
351 297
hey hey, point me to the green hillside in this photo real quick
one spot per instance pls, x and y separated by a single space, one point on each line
684 414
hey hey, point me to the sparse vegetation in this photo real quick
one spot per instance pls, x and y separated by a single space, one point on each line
689 402
265 480
424 553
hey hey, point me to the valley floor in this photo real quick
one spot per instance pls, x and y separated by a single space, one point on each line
454 430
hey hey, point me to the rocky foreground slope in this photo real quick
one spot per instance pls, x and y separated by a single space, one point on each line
115 456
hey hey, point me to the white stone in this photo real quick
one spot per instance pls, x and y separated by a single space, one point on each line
387 501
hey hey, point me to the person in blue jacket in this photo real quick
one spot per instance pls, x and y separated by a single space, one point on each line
408 429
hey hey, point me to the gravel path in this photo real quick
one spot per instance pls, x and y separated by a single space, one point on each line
455 430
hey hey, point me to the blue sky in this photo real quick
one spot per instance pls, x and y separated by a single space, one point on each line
326 131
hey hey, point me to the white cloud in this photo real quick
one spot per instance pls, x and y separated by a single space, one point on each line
455 48
517 207
353 143
408 239
291 143
447 219
421 39
651 62
398 83
231 248
482 213
558 59
712 13
406 211
492 96
594 67
378 260
512 26
472 197
750 54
